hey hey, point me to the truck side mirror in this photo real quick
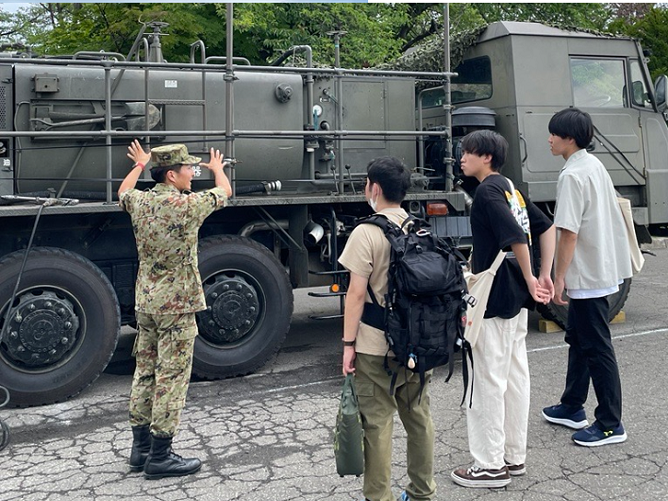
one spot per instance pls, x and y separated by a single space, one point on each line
660 88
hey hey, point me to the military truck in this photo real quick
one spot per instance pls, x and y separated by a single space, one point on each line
65 124
517 75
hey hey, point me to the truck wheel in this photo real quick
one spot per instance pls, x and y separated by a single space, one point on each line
559 314
63 328
249 307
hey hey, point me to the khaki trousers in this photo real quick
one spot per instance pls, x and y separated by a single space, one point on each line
164 353
377 407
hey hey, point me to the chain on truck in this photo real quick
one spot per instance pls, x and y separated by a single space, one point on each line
300 138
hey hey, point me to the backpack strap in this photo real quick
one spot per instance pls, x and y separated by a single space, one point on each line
373 313
467 352
383 222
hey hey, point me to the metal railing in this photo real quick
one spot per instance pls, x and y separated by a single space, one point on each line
229 134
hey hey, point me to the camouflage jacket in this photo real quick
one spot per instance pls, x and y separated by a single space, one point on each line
166 223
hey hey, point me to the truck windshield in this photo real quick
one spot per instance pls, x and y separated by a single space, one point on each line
473 83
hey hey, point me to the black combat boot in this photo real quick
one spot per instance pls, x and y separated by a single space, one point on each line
141 445
162 462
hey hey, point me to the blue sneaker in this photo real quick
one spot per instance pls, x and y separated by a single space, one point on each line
595 436
403 497
560 414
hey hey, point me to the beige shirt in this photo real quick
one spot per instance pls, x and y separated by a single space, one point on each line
587 205
367 254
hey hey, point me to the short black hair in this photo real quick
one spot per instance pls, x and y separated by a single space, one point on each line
392 175
159 174
487 142
573 123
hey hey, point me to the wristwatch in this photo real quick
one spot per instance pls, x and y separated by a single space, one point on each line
348 343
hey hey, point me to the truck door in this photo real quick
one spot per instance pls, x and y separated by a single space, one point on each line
600 87
655 146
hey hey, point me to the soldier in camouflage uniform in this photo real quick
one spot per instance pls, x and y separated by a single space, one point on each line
166 220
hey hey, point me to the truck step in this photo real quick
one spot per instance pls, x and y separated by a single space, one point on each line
331 272
326 294
324 317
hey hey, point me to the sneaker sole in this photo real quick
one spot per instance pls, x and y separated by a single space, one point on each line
574 425
480 484
615 439
517 473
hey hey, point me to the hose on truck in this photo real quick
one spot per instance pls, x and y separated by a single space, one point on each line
4 429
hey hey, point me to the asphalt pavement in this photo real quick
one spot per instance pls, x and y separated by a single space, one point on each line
268 436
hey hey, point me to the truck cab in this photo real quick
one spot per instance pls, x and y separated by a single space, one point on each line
525 72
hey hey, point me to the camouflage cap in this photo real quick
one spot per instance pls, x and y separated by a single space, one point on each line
170 155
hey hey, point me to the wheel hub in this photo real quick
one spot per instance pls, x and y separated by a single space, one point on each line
42 329
232 310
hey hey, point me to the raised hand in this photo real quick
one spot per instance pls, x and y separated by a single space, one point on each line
137 154
215 162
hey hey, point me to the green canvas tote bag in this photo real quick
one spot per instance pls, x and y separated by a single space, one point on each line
349 435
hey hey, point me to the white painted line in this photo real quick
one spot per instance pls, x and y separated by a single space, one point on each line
332 378
294 387
621 336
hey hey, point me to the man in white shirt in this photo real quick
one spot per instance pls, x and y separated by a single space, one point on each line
592 259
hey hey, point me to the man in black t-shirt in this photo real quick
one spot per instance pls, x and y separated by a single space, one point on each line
502 219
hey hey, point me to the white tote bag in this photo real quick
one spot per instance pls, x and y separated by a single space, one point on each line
479 285
637 259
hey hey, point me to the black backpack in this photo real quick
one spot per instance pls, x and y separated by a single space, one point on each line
425 310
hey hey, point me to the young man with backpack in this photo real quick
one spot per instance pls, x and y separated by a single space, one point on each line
367 257
501 219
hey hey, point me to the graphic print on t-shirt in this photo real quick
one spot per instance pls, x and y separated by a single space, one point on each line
519 209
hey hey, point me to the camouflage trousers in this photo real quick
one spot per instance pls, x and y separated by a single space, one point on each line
164 353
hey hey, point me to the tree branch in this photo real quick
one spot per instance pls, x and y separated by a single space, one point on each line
425 34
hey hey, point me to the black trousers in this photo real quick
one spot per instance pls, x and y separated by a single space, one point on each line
591 356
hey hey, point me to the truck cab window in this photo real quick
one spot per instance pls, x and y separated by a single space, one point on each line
598 83
474 80
639 94
473 83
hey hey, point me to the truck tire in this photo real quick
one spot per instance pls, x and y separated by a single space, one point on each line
63 328
249 307
559 314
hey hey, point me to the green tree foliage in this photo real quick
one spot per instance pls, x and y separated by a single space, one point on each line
590 16
649 24
264 31
376 33
67 28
